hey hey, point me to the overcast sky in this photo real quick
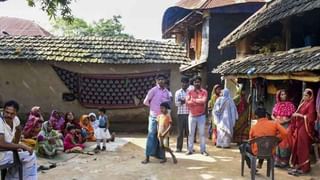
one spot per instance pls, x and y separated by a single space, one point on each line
141 18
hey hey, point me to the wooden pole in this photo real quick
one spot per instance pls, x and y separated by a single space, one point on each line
250 102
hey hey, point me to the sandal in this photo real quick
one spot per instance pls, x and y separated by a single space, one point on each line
163 160
146 161
175 161
295 172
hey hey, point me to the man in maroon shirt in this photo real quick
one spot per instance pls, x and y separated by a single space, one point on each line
196 101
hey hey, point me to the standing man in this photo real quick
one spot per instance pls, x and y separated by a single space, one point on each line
183 112
196 101
10 131
154 98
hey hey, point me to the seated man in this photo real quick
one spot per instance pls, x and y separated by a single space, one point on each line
10 132
264 127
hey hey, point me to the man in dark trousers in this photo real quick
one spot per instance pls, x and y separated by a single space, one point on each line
183 112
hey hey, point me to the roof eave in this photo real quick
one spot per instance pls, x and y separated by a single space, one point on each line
193 16
229 40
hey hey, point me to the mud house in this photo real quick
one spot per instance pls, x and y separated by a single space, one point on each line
82 74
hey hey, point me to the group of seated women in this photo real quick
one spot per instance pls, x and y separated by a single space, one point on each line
61 132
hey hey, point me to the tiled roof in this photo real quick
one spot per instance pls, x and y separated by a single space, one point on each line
21 27
90 50
295 60
270 13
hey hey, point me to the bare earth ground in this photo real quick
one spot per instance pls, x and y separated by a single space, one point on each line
122 161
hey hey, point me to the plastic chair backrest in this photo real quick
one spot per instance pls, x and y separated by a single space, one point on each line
265 145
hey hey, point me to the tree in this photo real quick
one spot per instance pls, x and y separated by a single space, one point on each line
79 27
52 7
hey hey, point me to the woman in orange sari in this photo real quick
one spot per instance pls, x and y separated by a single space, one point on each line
281 113
241 128
87 127
301 134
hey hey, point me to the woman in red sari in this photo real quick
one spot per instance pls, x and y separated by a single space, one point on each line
301 133
70 119
281 113
32 127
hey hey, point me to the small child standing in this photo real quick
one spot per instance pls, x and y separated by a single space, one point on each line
164 126
102 132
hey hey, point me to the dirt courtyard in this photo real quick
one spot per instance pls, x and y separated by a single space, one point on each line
124 162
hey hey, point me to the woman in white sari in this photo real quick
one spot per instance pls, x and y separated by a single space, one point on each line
225 114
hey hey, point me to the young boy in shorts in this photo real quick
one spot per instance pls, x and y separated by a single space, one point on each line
164 126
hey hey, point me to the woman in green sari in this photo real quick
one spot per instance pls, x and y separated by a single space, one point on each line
215 94
49 141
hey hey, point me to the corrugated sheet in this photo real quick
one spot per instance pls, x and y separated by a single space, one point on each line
191 4
296 60
208 4
90 50
270 13
221 3
21 27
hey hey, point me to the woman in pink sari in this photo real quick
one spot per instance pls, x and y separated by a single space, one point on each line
57 121
70 144
281 113
301 131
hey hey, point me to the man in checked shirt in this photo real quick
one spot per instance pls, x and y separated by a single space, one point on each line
183 112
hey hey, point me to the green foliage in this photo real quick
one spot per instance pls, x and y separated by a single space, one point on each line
79 27
51 7
76 27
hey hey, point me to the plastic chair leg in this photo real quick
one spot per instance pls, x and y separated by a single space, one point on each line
268 167
253 167
316 151
3 174
20 172
242 163
272 169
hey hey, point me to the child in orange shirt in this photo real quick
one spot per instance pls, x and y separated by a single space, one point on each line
164 126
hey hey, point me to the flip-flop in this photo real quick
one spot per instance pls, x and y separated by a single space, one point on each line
89 153
53 165
42 167
293 173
